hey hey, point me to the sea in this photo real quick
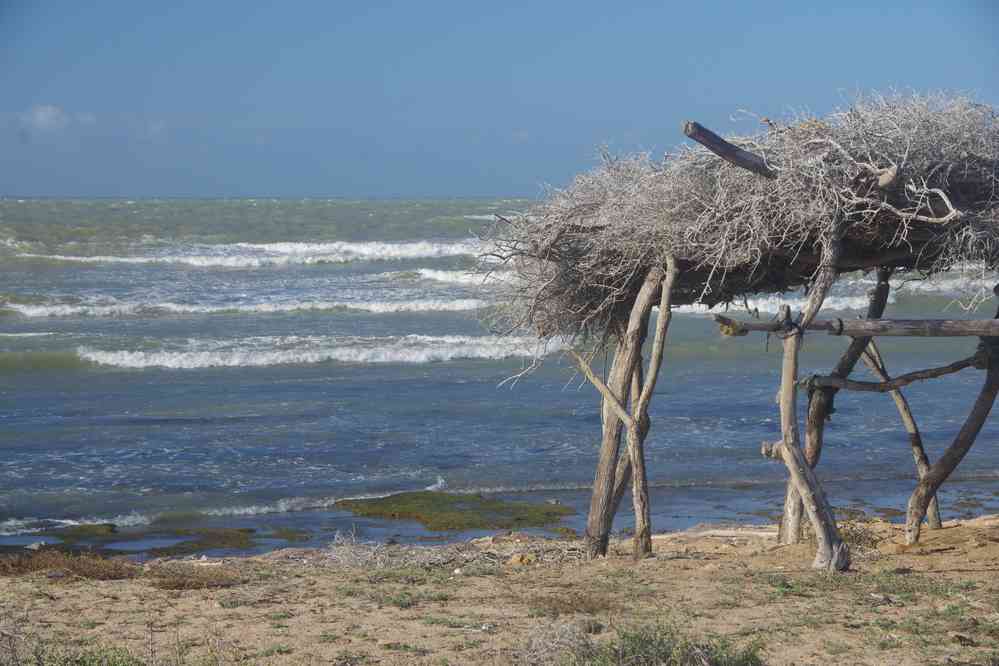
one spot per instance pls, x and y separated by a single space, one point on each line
248 362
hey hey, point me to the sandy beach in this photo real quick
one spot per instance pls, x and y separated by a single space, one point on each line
513 599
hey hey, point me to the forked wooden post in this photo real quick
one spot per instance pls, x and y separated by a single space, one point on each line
820 408
832 553
626 356
872 357
929 483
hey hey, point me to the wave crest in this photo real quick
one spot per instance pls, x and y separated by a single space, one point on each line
260 352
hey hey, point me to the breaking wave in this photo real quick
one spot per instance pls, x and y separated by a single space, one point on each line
265 351
772 304
259 255
126 309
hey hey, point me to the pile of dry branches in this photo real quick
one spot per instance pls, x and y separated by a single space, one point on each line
906 181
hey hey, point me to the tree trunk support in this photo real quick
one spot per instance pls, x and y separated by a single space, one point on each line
790 524
627 359
873 360
832 553
930 483
820 409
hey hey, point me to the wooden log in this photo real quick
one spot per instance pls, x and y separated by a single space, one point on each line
888 386
874 361
832 553
727 151
859 328
820 402
599 521
639 428
790 523
941 470
927 486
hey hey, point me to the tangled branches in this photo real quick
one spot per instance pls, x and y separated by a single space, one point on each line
905 181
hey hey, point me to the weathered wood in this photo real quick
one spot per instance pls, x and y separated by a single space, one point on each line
858 328
832 553
640 416
940 471
887 386
727 151
599 521
825 277
820 404
637 421
927 486
874 361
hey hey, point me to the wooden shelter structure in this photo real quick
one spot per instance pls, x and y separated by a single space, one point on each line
901 184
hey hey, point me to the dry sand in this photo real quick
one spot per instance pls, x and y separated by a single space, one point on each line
482 603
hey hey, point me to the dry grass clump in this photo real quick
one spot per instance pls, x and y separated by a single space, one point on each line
67 566
185 576
656 645
907 181
349 552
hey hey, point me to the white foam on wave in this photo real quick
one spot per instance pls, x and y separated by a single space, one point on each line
264 351
773 303
457 277
14 526
27 335
350 251
125 309
260 255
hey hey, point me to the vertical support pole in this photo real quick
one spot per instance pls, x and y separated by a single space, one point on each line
600 519
832 553
820 408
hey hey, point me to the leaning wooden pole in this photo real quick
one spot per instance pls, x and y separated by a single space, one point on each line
790 524
873 360
629 348
639 427
929 484
820 409
832 553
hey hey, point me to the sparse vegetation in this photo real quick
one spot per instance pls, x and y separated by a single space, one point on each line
183 576
447 511
68 567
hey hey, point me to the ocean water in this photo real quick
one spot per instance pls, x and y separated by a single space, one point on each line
249 362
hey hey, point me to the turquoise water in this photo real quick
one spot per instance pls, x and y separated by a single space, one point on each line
254 360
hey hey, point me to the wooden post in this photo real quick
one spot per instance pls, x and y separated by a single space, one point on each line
928 485
872 357
599 521
820 408
832 553
790 523
638 429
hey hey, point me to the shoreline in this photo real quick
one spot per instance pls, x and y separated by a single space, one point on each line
518 599
675 508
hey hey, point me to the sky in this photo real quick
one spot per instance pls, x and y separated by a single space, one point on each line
434 98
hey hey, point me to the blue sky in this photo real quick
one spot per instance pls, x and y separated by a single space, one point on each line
433 98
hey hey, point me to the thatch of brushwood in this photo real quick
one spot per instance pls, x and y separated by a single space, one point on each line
907 181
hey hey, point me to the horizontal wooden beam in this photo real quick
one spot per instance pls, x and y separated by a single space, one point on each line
979 361
865 328
727 151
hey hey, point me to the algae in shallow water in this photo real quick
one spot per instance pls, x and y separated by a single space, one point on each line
447 511
87 532
207 538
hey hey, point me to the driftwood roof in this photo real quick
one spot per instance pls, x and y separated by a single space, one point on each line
906 181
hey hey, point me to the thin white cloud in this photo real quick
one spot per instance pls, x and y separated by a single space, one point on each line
45 118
